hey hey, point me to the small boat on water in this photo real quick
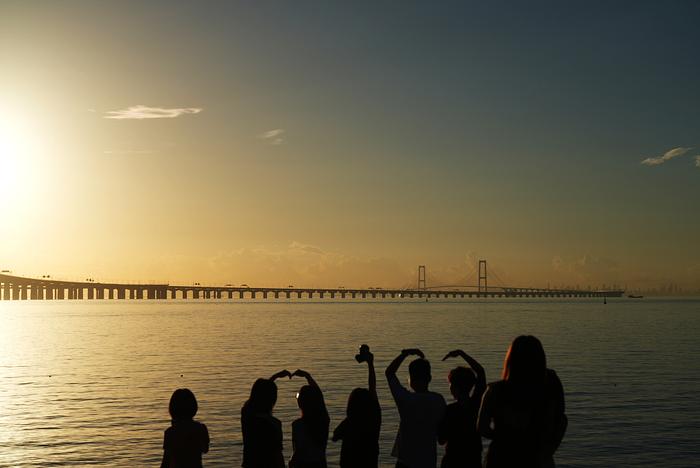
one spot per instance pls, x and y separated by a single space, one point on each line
632 296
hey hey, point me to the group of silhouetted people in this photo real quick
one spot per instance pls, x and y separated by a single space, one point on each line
522 414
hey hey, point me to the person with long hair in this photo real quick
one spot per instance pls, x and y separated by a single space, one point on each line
262 432
359 431
310 431
186 439
458 430
523 413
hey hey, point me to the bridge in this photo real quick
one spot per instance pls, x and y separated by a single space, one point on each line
46 288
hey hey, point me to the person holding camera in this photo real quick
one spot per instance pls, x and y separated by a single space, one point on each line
421 412
359 431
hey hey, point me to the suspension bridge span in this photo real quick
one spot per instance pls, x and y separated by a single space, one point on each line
14 287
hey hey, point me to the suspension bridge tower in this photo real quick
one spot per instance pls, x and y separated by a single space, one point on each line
422 285
483 277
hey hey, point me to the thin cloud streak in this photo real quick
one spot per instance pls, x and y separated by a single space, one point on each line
668 155
127 151
140 112
273 137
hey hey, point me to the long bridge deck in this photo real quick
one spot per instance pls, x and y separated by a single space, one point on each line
25 288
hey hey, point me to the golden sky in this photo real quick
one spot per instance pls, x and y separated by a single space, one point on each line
332 145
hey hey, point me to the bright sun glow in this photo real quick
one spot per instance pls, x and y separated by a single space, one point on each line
18 152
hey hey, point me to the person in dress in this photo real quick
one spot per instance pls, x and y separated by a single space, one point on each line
523 413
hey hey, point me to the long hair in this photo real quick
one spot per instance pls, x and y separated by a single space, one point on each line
525 361
314 412
263 396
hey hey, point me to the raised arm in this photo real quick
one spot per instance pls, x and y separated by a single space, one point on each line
390 371
371 375
280 374
302 373
480 385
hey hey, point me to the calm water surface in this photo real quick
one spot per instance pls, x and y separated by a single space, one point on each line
88 383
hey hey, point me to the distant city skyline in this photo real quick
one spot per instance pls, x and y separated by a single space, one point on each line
318 143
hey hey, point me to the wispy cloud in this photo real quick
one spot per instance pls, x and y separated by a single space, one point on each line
586 268
305 264
668 155
145 112
127 151
273 137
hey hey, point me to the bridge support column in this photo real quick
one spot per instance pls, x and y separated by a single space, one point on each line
100 293
6 292
91 293
35 291
121 293
24 293
61 293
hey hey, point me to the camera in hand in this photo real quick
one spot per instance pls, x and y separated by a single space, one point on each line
364 354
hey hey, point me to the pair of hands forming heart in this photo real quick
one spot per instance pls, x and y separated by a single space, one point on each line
418 352
286 373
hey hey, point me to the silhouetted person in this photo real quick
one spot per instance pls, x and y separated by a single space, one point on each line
262 432
458 428
359 431
310 432
186 439
421 412
523 414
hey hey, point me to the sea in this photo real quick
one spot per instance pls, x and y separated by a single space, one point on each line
87 383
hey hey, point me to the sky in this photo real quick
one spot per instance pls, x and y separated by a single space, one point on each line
345 143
